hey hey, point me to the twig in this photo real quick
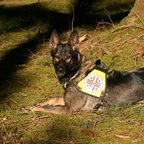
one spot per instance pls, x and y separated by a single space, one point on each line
134 107
8 134
138 17
122 136
72 18
125 41
128 26
140 35
42 117
109 17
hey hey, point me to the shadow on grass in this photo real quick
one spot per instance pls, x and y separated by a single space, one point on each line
63 130
12 59
29 16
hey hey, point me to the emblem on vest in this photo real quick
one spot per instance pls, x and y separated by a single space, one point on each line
94 83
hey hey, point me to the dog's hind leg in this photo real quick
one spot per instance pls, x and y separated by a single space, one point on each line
53 101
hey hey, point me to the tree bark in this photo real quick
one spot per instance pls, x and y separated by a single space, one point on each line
136 15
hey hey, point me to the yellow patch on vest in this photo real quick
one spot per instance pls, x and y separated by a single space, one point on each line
94 83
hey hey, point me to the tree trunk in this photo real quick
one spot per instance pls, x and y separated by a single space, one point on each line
136 15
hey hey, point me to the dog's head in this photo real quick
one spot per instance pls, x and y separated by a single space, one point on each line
65 57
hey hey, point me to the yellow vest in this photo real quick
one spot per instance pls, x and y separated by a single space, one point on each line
94 83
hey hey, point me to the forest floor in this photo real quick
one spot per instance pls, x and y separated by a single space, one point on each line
27 78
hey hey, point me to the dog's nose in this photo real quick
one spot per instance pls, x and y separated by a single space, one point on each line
60 69
60 72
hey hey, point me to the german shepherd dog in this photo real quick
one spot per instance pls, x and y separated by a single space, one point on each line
123 87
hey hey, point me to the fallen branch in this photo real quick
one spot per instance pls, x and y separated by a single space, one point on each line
128 26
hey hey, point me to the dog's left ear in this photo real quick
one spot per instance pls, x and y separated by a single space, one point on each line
74 39
54 39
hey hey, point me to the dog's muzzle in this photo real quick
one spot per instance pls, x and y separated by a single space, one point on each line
61 72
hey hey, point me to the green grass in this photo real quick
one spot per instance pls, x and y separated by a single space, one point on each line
34 81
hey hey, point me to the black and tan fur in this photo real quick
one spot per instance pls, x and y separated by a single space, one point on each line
123 87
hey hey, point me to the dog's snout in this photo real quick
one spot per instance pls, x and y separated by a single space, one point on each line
60 69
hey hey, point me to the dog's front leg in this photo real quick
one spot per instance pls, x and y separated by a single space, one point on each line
53 101
47 106
49 109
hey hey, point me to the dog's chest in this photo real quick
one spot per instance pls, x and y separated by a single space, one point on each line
86 66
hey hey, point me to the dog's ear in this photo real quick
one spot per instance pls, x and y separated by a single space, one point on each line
54 39
98 62
74 39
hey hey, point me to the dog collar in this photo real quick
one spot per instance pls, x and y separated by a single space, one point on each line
94 83
65 84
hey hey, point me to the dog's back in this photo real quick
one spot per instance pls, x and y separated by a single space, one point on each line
124 87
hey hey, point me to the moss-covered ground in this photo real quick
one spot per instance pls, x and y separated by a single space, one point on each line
27 77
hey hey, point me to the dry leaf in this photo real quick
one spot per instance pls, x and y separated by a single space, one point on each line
122 135
88 132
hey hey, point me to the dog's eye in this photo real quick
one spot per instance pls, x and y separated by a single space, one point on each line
57 58
68 59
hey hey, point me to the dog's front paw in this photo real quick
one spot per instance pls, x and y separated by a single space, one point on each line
31 109
36 109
